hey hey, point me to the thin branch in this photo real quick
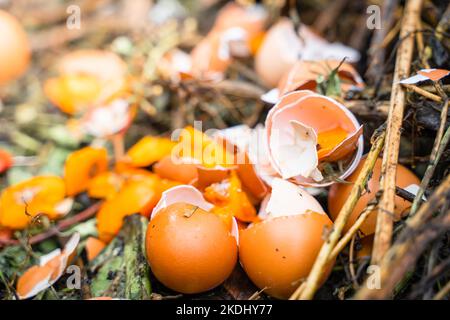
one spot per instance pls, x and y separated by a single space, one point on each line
318 270
61 226
440 143
384 227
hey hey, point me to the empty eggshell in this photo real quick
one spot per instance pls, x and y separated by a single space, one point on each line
189 249
283 46
305 128
279 252
279 50
15 53
339 193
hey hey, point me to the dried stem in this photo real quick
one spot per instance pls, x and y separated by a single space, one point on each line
322 260
61 226
410 244
440 143
423 92
384 228
443 292
352 231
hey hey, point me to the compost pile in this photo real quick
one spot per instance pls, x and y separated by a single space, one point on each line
216 149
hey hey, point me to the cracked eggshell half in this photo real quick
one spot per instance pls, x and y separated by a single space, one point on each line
189 249
305 129
279 252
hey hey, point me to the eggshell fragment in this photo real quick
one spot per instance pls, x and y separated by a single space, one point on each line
109 119
50 269
289 199
189 249
277 254
304 74
183 193
294 126
426 74
208 60
16 52
279 50
339 193
246 149
283 46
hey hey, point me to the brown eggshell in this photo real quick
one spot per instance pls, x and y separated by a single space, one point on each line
279 51
303 75
339 193
278 253
105 65
206 59
15 50
190 254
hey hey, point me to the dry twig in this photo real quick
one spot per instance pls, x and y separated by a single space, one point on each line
322 260
384 228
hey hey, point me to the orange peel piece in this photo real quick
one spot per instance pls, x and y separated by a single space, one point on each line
183 172
93 247
85 78
72 93
149 150
105 185
230 200
328 140
139 194
83 165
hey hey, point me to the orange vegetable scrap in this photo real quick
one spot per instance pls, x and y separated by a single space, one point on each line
105 185
93 247
86 78
42 195
230 200
72 93
50 269
83 165
184 172
197 147
149 150
139 194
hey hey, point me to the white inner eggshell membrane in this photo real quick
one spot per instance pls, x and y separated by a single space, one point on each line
288 199
184 193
